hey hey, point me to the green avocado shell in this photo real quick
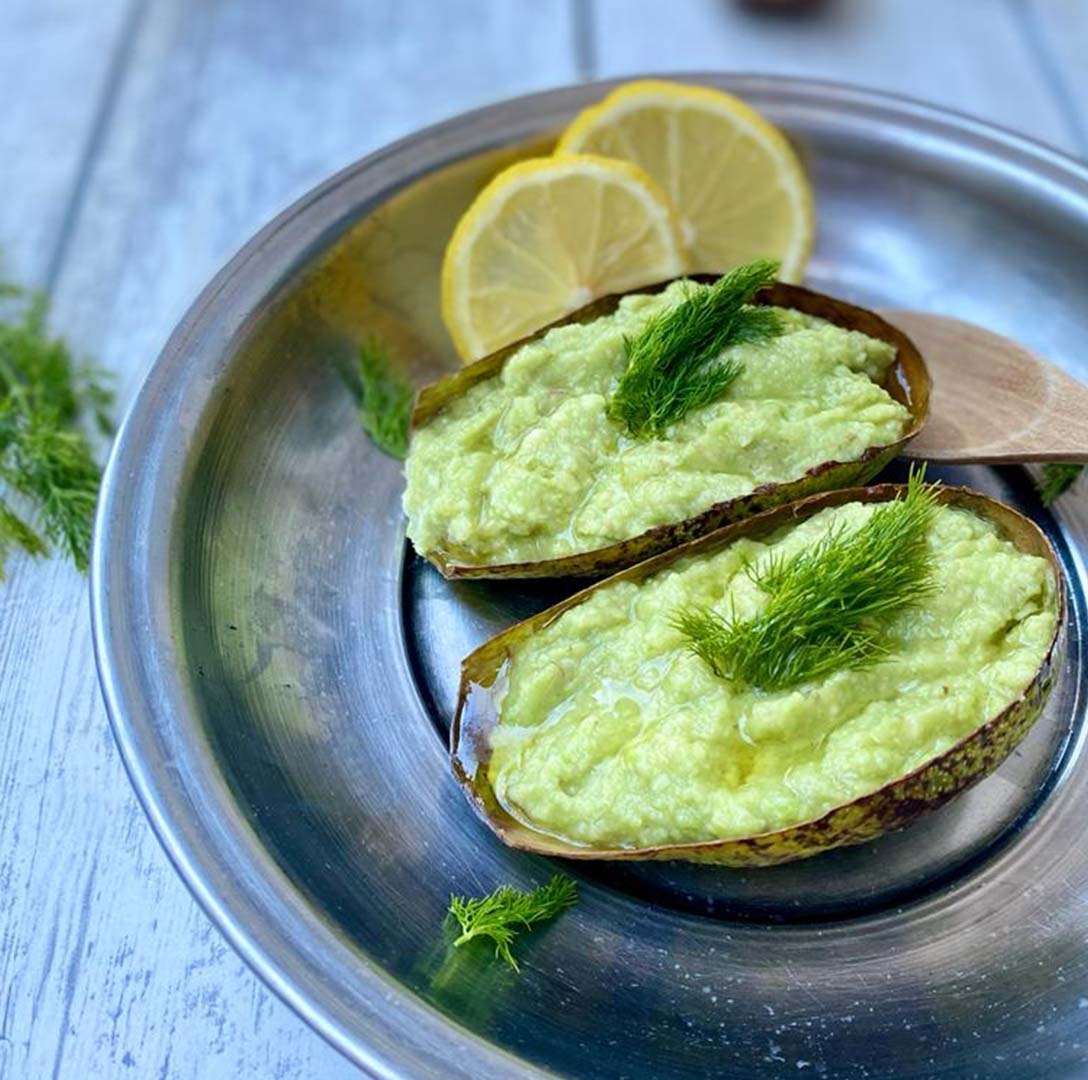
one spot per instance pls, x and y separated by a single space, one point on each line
889 807
906 380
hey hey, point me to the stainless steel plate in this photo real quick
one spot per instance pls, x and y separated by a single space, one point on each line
280 671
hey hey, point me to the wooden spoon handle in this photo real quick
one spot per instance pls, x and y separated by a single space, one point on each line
993 400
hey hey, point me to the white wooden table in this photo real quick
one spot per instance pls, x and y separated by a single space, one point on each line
141 142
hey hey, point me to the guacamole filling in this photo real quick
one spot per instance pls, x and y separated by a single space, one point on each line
527 465
611 733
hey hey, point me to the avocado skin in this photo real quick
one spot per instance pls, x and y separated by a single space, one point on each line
907 380
892 806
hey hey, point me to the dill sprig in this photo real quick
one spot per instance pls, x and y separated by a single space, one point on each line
506 912
674 364
828 606
48 476
385 405
1058 477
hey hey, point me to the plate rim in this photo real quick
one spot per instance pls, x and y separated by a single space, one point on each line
399 1034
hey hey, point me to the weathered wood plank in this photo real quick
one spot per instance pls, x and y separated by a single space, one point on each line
56 62
1057 30
971 55
225 113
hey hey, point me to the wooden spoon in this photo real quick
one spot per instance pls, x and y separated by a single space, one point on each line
993 400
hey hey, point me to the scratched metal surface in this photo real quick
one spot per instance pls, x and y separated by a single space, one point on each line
142 143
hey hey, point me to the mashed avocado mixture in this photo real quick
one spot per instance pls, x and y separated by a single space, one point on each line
611 733
527 466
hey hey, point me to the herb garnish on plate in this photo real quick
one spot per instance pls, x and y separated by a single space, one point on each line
385 402
1058 477
673 363
828 606
506 912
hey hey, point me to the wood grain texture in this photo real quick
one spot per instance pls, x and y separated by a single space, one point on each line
1057 33
57 58
142 141
994 401
223 114
970 55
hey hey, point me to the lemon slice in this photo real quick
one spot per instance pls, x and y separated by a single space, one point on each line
734 179
545 237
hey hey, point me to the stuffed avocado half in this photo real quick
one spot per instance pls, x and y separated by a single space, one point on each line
602 728
525 464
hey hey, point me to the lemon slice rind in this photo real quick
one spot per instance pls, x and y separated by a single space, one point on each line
605 128
545 237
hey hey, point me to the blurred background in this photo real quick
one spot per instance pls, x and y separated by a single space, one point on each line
141 143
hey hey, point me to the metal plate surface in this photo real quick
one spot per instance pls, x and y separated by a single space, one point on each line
280 671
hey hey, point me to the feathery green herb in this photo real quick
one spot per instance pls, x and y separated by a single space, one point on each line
506 912
385 406
1058 477
828 606
48 476
674 365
